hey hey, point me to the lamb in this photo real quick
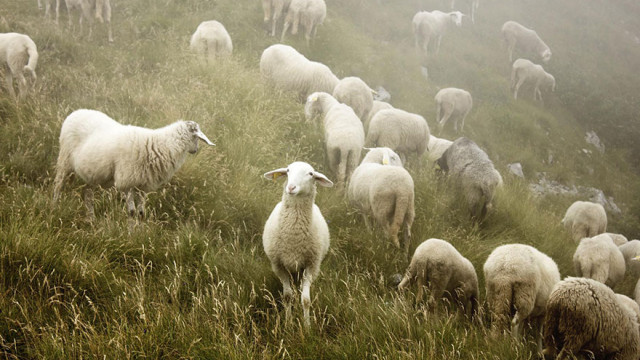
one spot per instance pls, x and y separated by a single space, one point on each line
289 70
310 13
432 25
473 7
600 259
343 133
401 131
273 10
518 280
452 102
134 159
18 55
474 173
101 9
584 317
296 235
212 40
355 93
585 219
437 147
525 39
618 239
375 108
437 263
524 71
382 188
630 251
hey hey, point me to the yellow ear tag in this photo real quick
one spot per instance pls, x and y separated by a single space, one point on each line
437 166
385 160
314 98
276 175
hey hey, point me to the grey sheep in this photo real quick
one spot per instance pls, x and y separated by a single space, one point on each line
401 131
525 39
585 219
600 259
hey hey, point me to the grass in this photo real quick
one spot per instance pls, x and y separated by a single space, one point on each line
192 281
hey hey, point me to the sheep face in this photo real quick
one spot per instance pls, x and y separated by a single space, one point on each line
301 179
196 134
312 106
382 155
546 56
456 18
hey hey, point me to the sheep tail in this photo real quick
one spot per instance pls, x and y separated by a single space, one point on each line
401 214
501 303
33 59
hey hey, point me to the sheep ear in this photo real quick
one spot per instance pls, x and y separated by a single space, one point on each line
274 174
385 159
322 180
204 137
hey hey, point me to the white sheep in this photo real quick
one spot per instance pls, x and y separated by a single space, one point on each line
401 131
309 13
618 239
600 259
273 11
296 235
18 55
473 7
355 93
525 39
134 159
100 9
432 25
585 219
585 318
438 265
474 174
630 251
452 102
518 280
211 40
289 70
375 108
630 305
343 133
382 188
524 71
437 147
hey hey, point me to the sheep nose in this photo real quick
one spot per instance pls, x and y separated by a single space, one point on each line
291 188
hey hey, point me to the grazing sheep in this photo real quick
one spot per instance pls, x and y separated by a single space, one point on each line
343 133
525 40
101 10
382 188
630 251
18 54
518 280
439 265
289 70
475 174
211 40
375 108
134 159
273 11
585 219
473 7
309 13
296 235
524 71
399 130
437 147
618 239
355 93
600 259
452 102
432 25
630 305
584 317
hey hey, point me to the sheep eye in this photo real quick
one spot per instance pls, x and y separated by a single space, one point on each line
287 170
311 173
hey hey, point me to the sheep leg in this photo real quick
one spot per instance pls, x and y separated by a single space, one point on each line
39 4
305 298
285 27
511 45
9 80
438 39
266 8
62 170
517 88
421 282
287 291
57 10
22 85
439 283
88 203
142 199
365 218
131 204
462 121
447 115
107 18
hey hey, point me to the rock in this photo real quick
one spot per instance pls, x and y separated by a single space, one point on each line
592 138
516 169
381 94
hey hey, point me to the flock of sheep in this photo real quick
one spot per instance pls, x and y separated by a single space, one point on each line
572 316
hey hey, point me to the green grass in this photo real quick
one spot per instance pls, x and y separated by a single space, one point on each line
192 281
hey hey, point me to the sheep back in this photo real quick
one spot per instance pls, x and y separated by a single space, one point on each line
600 259
585 219
211 38
401 131
357 94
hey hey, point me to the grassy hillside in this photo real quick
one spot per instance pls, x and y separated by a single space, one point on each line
192 281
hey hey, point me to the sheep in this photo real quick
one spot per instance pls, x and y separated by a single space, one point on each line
382 188
524 71
134 159
584 317
473 7
289 70
600 259
310 13
437 147
474 173
585 219
452 102
527 40
273 10
618 239
211 40
518 281
630 251
296 235
375 107
432 25
437 263
399 130
636 292
630 305
355 93
100 8
343 133
18 55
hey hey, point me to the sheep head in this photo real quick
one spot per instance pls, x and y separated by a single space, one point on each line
301 179
196 134
456 18
383 156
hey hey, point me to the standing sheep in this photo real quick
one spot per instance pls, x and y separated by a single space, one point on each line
584 317
585 219
343 133
600 259
524 71
524 39
289 70
474 173
518 280
381 187
355 93
375 108
452 102
296 235
310 13
211 40
103 152
273 11
439 265
437 147
432 25
401 131
18 54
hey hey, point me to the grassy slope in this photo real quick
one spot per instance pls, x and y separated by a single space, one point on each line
192 281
